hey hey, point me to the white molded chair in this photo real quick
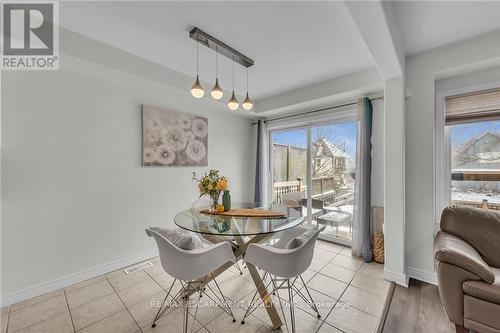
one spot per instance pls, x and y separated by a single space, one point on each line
284 266
191 268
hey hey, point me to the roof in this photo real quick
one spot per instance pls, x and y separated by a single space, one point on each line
476 139
332 149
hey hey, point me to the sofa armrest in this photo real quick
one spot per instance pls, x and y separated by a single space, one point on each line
455 251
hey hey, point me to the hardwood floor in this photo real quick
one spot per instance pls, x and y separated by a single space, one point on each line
417 309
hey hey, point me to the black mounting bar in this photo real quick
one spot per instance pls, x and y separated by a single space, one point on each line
202 37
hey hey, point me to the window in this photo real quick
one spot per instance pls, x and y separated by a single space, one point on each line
475 164
473 129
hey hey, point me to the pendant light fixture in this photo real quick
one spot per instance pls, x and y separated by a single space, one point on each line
233 103
217 91
220 48
197 90
247 103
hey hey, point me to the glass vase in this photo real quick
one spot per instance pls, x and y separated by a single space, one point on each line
214 197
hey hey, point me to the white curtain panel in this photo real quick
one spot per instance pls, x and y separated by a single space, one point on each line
262 172
357 235
361 235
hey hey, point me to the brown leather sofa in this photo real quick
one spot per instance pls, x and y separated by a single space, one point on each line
467 250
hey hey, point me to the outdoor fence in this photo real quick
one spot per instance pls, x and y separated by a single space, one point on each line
478 177
289 163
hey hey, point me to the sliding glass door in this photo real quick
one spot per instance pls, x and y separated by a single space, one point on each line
289 167
313 170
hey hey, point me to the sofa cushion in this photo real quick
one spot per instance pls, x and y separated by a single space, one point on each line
455 251
483 290
481 315
182 239
300 240
478 227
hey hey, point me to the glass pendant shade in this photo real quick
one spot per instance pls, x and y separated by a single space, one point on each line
233 103
197 90
217 91
247 103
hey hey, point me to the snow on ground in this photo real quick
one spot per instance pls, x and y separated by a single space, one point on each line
475 196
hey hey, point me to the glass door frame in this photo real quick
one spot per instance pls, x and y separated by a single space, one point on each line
348 116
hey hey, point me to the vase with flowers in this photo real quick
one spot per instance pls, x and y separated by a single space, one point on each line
212 184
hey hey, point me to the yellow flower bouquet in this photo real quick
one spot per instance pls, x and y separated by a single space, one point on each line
212 184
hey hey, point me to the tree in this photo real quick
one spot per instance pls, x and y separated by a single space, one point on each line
322 165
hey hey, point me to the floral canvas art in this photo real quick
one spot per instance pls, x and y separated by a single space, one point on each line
172 138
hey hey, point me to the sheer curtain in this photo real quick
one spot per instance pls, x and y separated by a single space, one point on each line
261 169
361 235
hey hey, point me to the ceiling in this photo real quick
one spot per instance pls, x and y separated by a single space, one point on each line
424 25
293 44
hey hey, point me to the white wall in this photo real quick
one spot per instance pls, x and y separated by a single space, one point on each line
468 79
74 193
421 72
394 181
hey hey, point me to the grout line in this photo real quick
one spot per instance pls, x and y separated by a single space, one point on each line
69 311
206 324
37 322
343 292
91 301
152 278
87 285
27 306
98 321
135 321
343 295
127 287
112 314
103 275
348 285
40 321
323 320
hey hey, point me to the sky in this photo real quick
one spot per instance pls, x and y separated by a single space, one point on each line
337 134
461 134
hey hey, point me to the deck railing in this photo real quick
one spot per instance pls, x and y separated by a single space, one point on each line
280 188
322 188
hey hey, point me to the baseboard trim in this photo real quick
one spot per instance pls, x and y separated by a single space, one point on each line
45 287
401 279
425 276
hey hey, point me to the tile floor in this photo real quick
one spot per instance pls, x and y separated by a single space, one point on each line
351 294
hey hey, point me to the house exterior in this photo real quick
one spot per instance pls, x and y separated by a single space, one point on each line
329 159
482 152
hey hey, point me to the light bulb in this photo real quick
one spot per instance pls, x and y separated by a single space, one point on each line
233 103
197 90
247 103
217 92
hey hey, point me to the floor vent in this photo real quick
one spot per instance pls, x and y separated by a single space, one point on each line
138 267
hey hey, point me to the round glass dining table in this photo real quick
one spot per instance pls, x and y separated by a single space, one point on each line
195 220
241 232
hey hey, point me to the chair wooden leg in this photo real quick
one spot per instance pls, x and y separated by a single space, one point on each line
461 329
